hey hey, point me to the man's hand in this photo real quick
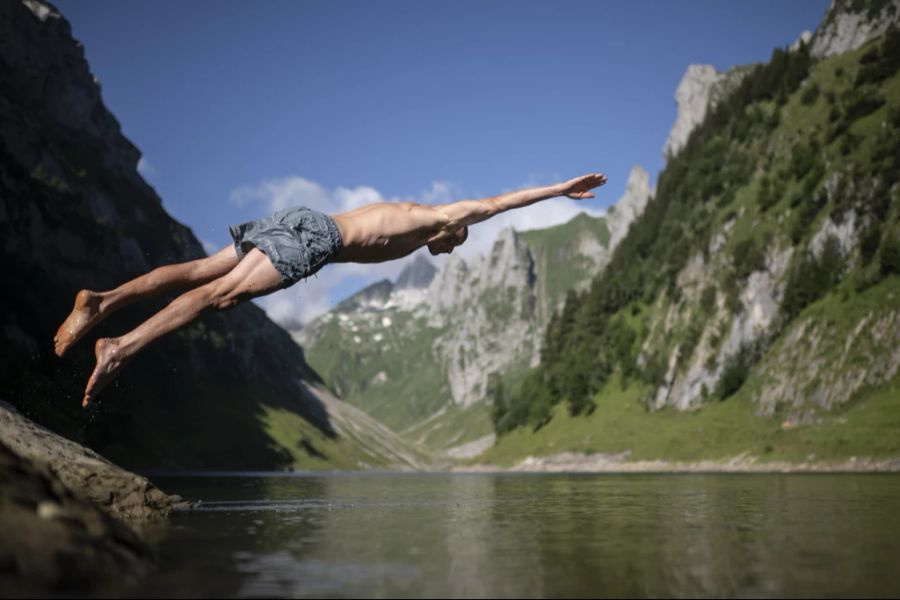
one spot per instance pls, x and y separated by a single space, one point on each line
578 188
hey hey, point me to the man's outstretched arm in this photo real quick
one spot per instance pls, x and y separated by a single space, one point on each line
468 212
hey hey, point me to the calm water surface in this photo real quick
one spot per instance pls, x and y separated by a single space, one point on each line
531 535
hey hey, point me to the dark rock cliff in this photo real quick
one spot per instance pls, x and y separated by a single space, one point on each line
74 213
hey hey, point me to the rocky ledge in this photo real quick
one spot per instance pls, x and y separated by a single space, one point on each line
68 516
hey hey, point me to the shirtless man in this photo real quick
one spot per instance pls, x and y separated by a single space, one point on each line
274 253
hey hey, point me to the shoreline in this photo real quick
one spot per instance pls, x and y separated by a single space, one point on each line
573 462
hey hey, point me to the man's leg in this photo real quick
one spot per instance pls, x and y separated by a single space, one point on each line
253 276
92 307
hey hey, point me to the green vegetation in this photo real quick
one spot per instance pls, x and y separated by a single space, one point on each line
811 278
371 365
715 162
558 261
772 161
390 371
309 449
865 426
451 426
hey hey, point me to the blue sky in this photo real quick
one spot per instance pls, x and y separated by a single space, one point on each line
241 106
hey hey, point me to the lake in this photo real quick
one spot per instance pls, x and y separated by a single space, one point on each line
530 535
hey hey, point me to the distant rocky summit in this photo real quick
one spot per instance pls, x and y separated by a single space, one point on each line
699 91
848 25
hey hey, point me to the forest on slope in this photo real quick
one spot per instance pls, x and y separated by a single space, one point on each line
756 302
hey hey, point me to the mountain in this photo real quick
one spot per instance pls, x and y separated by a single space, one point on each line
849 24
232 391
700 90
419 354
417 274
753 308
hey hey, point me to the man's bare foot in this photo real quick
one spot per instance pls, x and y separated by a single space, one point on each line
110 358
85 315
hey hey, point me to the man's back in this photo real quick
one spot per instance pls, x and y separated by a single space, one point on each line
386 230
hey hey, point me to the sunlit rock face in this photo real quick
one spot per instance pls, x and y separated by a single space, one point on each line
700 89
849 25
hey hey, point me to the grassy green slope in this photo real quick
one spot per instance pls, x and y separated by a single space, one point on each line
838 126
390 373
558 262
865 426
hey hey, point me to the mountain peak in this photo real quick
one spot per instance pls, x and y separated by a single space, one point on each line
699 91
372 296
416 275
692 97
630 206
848 25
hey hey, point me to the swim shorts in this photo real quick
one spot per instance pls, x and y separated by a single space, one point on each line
298 241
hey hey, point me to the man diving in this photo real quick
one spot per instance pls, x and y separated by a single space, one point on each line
275 252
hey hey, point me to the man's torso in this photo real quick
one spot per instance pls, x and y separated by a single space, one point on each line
385 231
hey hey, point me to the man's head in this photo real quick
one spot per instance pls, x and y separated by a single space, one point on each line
445 243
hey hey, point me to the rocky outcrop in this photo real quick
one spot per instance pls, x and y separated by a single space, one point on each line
416 275
689 386
692 97
68 517
697 93
52 540
630 206
375 294
122 494
849 25
494 302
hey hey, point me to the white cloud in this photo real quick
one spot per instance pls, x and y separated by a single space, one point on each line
145 168
279 193
441 192
301 302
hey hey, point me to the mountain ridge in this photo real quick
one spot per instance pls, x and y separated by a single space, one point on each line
75 213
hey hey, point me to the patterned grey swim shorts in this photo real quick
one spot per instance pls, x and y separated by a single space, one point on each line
298 241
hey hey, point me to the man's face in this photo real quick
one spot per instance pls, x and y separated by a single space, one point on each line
446 244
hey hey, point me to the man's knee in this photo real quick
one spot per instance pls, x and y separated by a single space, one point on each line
224 295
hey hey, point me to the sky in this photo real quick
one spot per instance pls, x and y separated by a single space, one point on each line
240 108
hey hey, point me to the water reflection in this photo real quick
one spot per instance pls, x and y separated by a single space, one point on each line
406 535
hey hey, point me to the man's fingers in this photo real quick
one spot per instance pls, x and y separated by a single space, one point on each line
593 180
580 185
